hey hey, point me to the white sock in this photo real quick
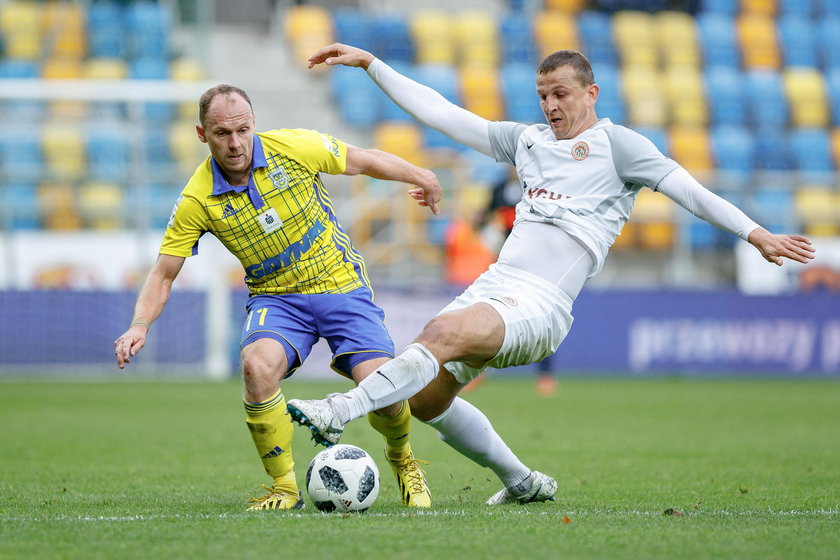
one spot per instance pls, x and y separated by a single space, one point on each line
392 382
467 430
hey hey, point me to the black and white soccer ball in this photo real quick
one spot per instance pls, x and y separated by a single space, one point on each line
342 478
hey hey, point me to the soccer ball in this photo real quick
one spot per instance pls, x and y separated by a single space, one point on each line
342 478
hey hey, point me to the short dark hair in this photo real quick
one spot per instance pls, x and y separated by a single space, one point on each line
578 62
222 89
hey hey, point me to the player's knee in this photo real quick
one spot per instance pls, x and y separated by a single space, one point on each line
441 332
257 364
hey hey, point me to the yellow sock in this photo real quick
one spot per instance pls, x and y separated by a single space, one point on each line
271 430
394 429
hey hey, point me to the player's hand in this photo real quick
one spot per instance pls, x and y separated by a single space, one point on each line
428 194
341 54
774 247
127 345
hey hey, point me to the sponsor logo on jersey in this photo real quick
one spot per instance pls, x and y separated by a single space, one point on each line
229 211
535 192
580 151
285 258
331 144
279 178
507 300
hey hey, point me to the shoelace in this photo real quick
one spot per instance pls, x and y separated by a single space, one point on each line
415 473
271 492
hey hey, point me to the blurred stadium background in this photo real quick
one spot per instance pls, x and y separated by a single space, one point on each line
98 101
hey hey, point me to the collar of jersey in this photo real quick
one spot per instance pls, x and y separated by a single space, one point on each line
221 186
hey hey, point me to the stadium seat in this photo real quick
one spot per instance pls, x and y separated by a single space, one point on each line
400 138
62 68
720 7
610 104
21 205
307 28
481 91
108 152
394 36
517 39
805 89
828 7
835 146
726 96
677 36
828 40
718 40
818 208
101 205
186 151
148 29
758 41
106 33
800 8
518 84
767 102
105 69
760 7
635 36
21 157
772 152
653 215
433 32
659 137
798 41
356 96
64 29
58 207
554 31
771 208
476 35
596 37
811 150
355 27
644 96
572 6
686 96
733 147
64 151
692 147
21 26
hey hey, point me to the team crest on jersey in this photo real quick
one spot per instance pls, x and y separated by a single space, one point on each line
580 151
279 178
331 144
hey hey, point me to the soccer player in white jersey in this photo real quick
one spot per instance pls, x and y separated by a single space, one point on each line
580 177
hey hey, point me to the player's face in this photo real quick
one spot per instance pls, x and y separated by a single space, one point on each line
229 132
568 106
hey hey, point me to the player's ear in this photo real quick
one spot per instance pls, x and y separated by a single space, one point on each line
200 131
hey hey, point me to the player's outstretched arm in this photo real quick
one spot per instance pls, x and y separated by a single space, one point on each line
150 302
338 53
382 165
774 246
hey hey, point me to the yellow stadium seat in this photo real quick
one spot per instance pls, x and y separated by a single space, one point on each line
805 89
64 27
186 150
554 31
686 96
481 91
762 7
21 25
101 68
677 37
691 146
635 37
572 6
835 146
400 138
62 68
57 204
653 216
644 95
101 205
434 36
64 151
819 210
308 28
186 69
758 41
477 37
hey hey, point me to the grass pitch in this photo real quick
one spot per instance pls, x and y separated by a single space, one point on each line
646 469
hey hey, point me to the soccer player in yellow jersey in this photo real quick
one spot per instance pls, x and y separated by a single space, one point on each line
262 196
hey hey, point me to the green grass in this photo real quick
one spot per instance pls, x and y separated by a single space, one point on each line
163 470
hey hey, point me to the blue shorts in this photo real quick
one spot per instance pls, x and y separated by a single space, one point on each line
352 324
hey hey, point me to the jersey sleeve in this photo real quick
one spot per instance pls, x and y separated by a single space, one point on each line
636 159
504 136
187 224
318 151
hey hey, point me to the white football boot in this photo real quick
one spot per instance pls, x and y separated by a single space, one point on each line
319 417
541 489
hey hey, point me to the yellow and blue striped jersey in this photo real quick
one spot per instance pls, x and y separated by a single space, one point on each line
308 252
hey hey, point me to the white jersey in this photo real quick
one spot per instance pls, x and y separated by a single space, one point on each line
585 185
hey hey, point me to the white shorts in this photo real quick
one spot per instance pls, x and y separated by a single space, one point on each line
537 317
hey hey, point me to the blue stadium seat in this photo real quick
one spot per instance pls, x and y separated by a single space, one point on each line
811 150
828 39
518 81
21 200
147 24
106 34
359 99
733 147
828 8
726 8
108 153
610 103
517 39
797 41
440 77
833 90
725 94
658 136
772 208
718 39
355 27
18 69
765 93
21 157
772 152
801 8
149 68
394 38
596 37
